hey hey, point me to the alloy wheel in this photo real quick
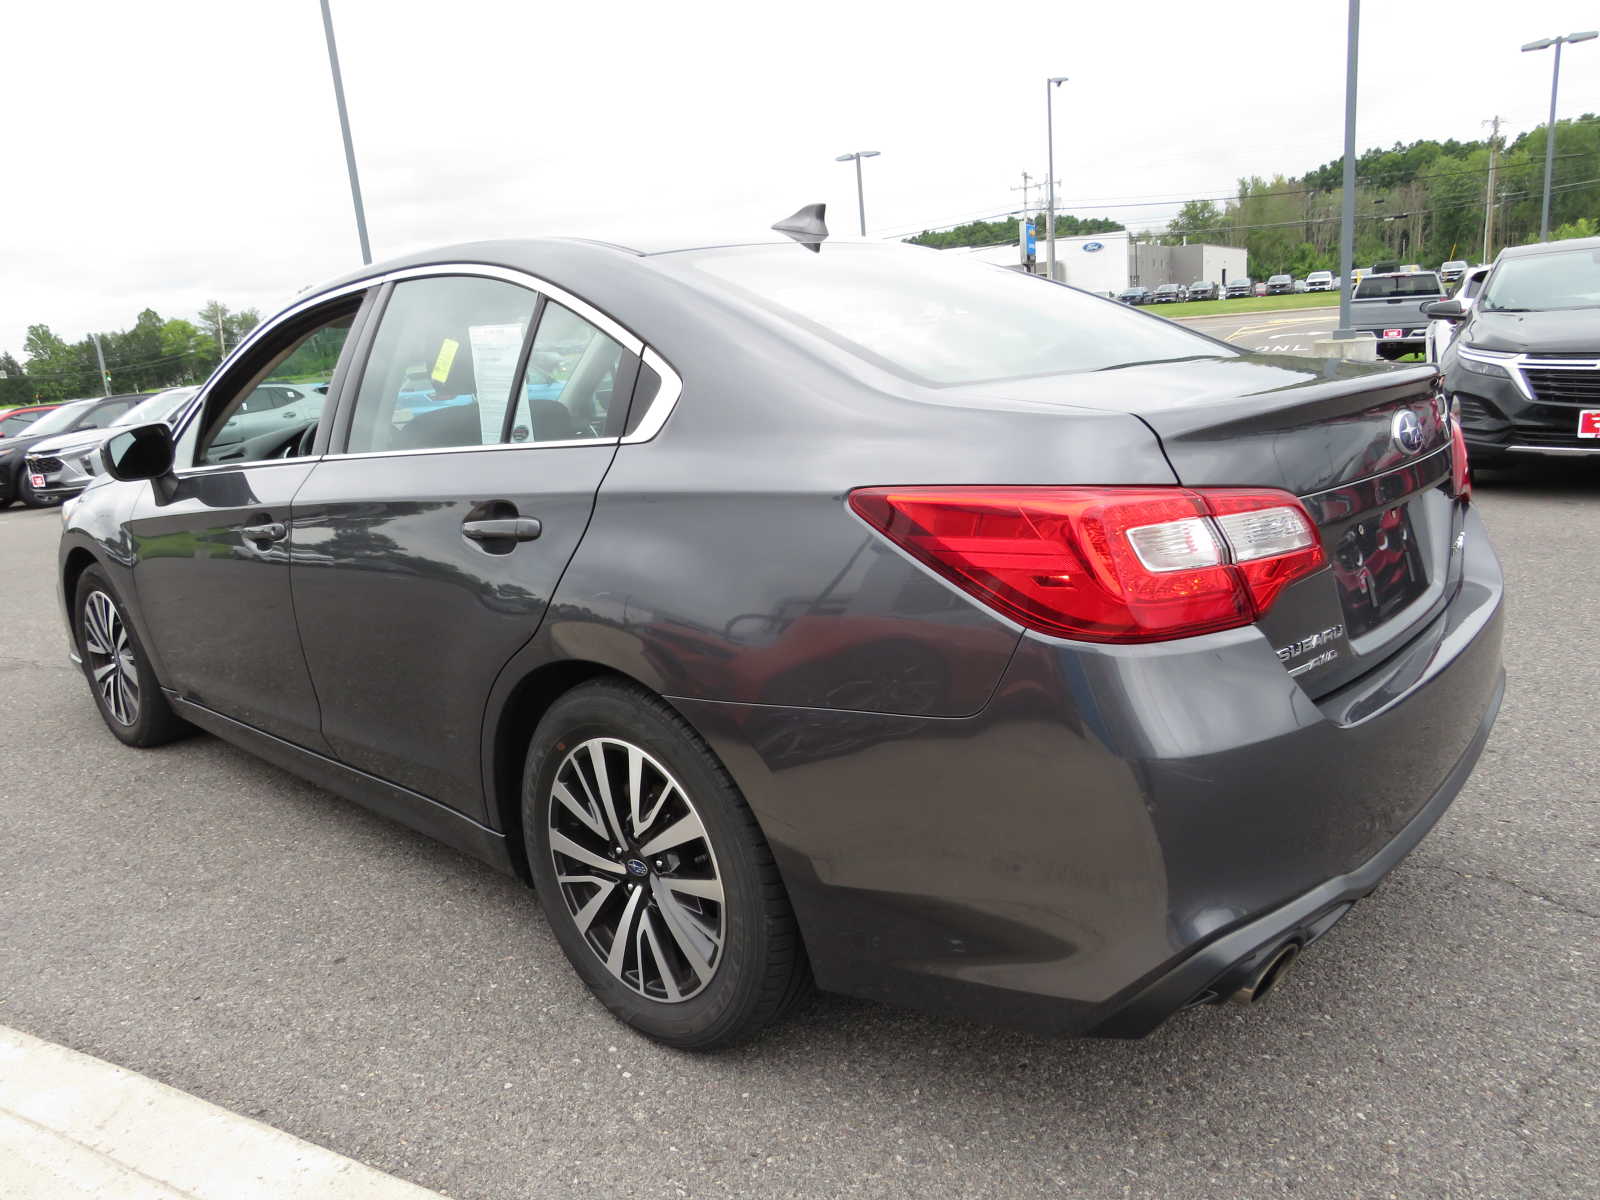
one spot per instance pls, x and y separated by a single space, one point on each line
636 869
112 664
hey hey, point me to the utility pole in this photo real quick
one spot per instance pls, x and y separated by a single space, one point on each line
1024 190
1347 207
105 377
1488 195
1587 35
1050 182
344 128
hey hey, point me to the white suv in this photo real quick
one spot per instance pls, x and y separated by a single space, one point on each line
1319 281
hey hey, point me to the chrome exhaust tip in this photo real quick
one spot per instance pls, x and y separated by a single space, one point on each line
1266 976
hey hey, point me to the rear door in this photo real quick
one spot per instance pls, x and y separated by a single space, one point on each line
426 550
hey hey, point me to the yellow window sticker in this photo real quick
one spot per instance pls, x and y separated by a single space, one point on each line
447 357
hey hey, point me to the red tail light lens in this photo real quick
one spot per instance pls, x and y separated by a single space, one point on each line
1112 564
1460 473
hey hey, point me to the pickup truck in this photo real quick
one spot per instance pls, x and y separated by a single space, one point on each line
1388 305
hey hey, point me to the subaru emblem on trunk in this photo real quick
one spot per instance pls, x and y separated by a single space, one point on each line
1405 431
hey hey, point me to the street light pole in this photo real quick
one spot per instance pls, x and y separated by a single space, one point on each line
344 128
1347 202
1550 129
861 195
1050 182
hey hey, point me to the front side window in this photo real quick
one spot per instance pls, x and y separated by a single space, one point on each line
442 365
274 408
103 415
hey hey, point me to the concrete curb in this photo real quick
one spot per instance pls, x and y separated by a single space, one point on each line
72 1126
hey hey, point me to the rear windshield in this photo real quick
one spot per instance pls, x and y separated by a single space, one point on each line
1564 279
944 319
1376 287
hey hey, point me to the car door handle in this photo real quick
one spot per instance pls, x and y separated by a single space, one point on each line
272 531
517 529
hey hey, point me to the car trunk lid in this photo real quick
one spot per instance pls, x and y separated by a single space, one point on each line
1366 448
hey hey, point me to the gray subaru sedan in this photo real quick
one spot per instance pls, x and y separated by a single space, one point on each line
791 609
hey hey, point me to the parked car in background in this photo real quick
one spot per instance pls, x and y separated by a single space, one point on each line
1239 288
1390 306
14 421
68 418
1356 275
1524 365
1261 289
1203 289
1441 331
1167 293
275 406
1134 295
1452 271
62 466
1300 287
1280 285
1243 645
1320 281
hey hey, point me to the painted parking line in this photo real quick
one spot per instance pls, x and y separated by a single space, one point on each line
71 1126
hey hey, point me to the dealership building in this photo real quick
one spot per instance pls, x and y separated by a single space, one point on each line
1110 262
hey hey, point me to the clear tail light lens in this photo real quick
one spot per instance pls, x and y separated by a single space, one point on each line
1111 564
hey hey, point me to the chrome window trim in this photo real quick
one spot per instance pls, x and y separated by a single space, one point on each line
1555 451
496 446
666 399
243 464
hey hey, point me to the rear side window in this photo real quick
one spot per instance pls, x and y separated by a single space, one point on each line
571 385
939 319
1380 287
442 365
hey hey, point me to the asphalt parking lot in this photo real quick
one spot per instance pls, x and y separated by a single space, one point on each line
201 917
1281 331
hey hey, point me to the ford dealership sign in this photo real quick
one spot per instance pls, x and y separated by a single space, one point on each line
1091 247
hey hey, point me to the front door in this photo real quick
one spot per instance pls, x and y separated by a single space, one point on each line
210 543
425 554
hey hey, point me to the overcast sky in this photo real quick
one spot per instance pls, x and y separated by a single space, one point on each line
166 152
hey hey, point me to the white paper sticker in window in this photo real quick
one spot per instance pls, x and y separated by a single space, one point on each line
494 362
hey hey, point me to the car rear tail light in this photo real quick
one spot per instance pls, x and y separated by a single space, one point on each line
1460 472
1105 564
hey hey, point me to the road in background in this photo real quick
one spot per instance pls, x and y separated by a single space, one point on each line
199 916
1282 332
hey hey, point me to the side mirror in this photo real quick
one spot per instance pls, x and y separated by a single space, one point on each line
1444 310
146 452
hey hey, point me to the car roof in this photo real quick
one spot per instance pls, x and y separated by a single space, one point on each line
1591 243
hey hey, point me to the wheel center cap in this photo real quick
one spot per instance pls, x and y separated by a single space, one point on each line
636 867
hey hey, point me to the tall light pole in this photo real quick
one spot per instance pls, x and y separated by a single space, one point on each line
861 196
1050 86
344 128
1550 129
1347 206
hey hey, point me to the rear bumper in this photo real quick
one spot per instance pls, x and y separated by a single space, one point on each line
1119 825
1212 972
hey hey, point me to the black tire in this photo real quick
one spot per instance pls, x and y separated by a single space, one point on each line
150 720
28 496
757 972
